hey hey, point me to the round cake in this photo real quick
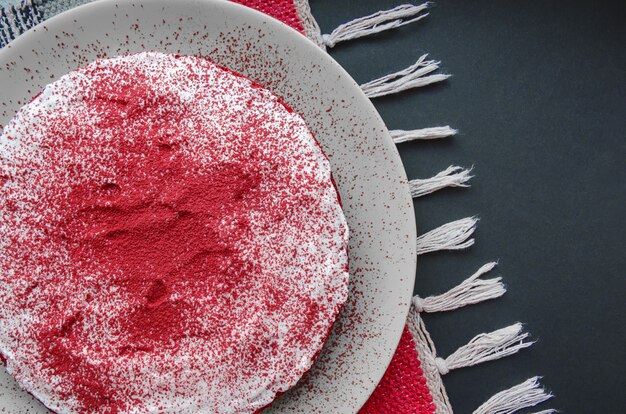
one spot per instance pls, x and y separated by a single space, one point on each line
171 241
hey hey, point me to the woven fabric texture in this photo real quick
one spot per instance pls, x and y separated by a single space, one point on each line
403 389
283 10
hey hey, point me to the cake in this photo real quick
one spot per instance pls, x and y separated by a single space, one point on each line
171 241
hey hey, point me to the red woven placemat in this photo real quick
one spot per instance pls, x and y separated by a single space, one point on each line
283 10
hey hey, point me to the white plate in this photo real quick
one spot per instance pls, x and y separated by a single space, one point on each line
366 165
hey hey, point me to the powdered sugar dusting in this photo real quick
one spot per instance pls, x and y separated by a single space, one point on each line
171 241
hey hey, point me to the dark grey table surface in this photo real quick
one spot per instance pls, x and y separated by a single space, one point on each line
539 97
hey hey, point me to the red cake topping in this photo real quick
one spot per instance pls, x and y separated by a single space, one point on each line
171 241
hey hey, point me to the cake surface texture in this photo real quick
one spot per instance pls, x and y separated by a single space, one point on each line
171 241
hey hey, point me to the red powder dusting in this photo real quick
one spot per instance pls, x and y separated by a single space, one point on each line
212 256
156 235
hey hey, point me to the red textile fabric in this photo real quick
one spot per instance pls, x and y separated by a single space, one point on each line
283 10
403 389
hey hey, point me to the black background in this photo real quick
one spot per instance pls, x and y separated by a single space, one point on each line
538 95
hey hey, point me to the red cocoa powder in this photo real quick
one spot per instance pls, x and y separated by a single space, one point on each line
131 218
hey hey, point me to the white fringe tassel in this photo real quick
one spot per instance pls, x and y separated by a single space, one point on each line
486 347
472 290
375 23
455 235
524 395
452 176
411 77
400 135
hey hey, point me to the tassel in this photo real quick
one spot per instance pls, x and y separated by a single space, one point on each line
472 290
452 176
524 395
411 77
375 23
450 236
486 347
399 135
